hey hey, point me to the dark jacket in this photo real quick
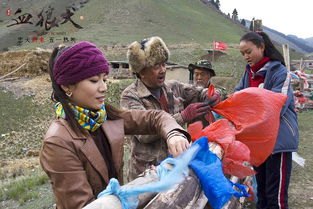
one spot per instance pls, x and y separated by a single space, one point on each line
277 79
75 166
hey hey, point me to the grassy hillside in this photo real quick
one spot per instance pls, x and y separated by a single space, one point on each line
177 21
187 26
122 21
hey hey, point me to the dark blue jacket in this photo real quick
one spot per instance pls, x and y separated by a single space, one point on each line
277 79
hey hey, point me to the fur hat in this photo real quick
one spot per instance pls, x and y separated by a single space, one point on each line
148 53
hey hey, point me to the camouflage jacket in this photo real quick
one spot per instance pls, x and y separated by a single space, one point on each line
149 150
222 91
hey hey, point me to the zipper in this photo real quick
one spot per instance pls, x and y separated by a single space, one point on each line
289 125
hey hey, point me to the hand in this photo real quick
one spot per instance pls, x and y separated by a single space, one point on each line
177 145
194 110
214 99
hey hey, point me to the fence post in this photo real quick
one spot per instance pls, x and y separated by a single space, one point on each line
286 56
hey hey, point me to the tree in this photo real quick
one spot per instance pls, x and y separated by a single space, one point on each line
243 22
213 3
218 4
251 27
235 14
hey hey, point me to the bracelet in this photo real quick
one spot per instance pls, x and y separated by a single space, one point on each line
174 133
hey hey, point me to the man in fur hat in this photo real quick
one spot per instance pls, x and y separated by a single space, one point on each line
150 91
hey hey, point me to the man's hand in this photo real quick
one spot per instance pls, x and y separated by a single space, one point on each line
214 99
194 110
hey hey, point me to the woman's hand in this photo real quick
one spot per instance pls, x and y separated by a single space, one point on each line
177 144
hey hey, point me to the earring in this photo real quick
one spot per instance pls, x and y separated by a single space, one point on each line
69 94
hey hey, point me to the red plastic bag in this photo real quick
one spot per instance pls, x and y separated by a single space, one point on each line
254 114
237 168
236 154
235 158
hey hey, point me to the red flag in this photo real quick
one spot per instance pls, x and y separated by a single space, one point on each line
219 45
8 12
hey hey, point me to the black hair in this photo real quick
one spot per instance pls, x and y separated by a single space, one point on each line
58 94
260 38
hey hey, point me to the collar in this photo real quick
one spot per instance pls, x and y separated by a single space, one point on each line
260 64
143 91
73 134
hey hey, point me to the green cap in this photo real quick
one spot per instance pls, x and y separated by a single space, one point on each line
202 64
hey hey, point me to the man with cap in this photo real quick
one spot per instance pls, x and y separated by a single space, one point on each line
201 73
150 91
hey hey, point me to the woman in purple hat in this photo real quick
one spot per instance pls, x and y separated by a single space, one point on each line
83 147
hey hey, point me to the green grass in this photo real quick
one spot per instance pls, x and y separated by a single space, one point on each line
19 116
24 188
109 22
176 21
301 185
22 109
115 89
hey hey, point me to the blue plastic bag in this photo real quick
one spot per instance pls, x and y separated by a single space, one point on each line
208 168
167 179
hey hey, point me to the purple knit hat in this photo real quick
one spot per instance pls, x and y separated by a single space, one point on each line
78 62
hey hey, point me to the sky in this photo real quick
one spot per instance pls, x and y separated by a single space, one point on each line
285 16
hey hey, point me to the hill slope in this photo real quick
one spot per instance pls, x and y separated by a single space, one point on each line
123 21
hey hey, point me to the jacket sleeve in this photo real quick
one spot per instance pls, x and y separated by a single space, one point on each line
69 184
150 122
240 85
189 94
281 84
131 101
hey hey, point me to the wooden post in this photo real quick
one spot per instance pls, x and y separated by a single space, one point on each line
286 56
183 195
186 195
